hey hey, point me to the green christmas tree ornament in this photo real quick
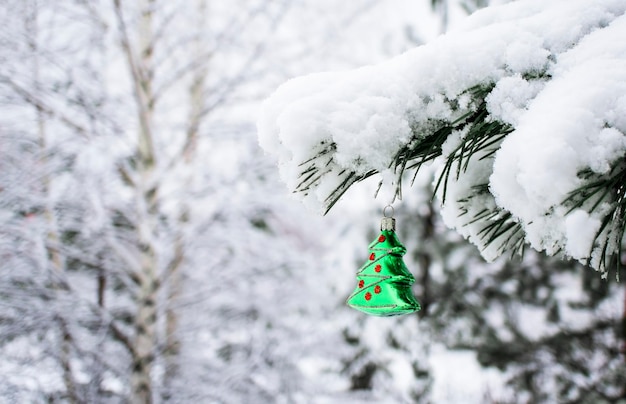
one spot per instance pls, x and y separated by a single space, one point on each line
384 282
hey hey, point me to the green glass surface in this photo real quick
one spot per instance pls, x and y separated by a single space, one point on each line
384 282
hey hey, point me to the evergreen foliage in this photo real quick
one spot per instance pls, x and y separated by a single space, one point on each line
476 135
481 138
605 192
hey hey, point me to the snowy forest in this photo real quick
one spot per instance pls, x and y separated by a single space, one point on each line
164 165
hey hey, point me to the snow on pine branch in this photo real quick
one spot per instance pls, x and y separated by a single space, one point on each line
524 110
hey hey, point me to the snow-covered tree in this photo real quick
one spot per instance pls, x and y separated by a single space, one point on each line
521 111
138 213
121 122
522 108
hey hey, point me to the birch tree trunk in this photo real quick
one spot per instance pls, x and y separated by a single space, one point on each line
148 282
147 209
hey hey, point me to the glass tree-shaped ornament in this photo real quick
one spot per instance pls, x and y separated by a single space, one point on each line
384 282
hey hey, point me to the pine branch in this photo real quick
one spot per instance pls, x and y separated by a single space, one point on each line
503 227
483 135
482 138
605 194
498 225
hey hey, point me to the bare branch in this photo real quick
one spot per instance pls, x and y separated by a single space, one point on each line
38 103
141 77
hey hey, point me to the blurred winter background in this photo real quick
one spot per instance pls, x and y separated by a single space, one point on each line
149 252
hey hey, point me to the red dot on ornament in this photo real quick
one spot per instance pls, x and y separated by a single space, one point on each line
361 283
377 268
377 289
368 296
381 238
372 257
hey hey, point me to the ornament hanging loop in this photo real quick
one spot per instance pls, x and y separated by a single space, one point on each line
386 214
388 223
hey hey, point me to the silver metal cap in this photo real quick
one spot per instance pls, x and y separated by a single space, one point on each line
388 223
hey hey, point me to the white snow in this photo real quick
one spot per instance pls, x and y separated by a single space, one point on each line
563 132
559 70
460 368
580 228
510 97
